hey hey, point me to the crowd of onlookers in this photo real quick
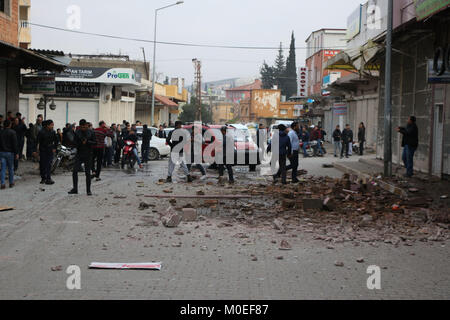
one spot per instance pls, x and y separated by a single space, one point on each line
42 141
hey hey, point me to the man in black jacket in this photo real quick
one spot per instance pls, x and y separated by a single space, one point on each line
84 141
337 134
47 143
146 139
410 142
8 150
347 138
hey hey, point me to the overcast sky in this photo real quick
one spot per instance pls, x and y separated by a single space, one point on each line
218 22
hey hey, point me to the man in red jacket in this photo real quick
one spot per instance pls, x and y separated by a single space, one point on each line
99 149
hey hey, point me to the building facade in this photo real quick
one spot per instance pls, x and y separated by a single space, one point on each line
421 85
14 56
322 45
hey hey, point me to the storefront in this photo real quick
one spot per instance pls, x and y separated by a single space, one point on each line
94 94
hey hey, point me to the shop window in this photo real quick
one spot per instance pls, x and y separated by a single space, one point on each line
283 112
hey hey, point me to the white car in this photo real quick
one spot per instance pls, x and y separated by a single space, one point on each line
158 146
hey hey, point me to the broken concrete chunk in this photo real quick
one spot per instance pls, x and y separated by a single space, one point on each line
285 245
338 263
328 204
189 214
312 204
171 219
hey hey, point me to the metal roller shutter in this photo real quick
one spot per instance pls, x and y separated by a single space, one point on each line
84 110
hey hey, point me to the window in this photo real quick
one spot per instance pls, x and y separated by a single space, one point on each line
297 113
4 6
283 112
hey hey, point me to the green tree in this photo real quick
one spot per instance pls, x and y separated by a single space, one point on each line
189 112
290 85
280 70
267 76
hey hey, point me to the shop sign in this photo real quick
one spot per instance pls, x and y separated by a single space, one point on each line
426 8
38 84
78 90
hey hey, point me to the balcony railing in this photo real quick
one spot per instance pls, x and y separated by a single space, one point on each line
24 24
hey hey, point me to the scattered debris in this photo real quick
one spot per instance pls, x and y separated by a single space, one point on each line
57 268
171 219
338 263
312 204
360 260
285 245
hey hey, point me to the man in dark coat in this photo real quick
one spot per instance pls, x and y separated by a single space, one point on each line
146 139
347 138
410 142
84 142
285 151
47 143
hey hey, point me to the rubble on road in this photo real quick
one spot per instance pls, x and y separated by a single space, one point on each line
171 219
340 210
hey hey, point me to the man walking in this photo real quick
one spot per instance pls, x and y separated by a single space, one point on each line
285 150
295 147
226 161
8 150
305 140
47 144
146 139
347 138
99 149
84 141
173 144
410 142
337 135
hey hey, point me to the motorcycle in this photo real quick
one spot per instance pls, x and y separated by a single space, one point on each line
65 157
312 148
128 157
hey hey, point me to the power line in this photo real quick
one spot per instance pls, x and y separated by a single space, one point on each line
171 43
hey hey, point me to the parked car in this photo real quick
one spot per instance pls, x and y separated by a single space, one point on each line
158 146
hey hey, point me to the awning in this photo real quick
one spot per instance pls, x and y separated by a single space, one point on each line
357 59
22 58
165 101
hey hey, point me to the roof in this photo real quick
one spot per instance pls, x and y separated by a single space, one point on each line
326 30
27 59
165 101
253 86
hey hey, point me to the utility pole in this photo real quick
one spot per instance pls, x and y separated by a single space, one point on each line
388 95
145 65
198 86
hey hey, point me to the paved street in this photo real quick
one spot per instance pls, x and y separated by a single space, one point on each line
49 228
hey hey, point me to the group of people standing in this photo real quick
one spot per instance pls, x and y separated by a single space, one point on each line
343 140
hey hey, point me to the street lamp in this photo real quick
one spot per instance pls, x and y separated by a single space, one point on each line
42 105
154 57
